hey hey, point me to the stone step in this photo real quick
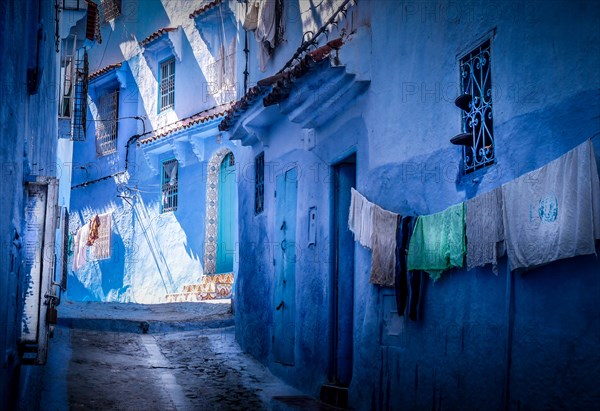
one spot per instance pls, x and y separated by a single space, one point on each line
226 278
211 287
217 291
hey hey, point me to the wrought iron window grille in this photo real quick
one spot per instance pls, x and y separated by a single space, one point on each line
476 104
111 9
259 183
107 124
169 184
166 85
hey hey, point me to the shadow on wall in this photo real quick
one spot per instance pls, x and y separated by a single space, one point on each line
112 270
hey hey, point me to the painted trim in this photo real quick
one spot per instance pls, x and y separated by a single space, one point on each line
213 173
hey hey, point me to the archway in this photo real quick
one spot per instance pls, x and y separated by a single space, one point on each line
221 223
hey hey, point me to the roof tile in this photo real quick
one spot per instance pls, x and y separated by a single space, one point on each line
187 122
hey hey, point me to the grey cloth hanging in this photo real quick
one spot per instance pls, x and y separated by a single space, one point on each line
383 261
485 230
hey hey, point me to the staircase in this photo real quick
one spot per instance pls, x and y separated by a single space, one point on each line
211 287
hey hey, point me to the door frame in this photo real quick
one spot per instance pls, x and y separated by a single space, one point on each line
347 157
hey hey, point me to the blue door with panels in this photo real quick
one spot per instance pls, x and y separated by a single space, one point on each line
284 295
226 216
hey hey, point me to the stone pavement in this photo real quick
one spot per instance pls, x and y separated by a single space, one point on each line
101 359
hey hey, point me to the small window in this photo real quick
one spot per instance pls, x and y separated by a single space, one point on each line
102 245
166 81
476 84
169 186
259 183
110 9
107 123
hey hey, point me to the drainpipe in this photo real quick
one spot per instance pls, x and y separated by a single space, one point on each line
132 139
246 53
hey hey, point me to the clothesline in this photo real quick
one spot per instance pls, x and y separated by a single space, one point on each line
540 217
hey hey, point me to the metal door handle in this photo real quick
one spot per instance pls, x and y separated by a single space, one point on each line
282 226
283 245
279 306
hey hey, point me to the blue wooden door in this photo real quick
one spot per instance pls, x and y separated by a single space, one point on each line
343 274
284 295
226 217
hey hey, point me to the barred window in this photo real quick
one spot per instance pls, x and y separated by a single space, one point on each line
259 183
166 81
476 86
169 186
107 123
102 245
110 9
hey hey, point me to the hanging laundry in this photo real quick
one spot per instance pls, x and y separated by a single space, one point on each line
360 218
93 233
485 230
79 256
269 30
438 242
251 19
553 212
383 261
409 284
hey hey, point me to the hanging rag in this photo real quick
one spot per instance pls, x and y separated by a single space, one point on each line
553 212
383 261
269 30
355 213
93 233
360 218
366 233
80 257
251 19
484 230
438 242
409 284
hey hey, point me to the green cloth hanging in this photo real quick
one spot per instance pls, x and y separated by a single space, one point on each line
438 242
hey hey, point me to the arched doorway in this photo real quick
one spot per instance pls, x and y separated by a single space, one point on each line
219 249
226 216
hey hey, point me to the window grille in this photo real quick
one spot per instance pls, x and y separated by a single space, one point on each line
259 183
110 9
169 183
102 245
476 81
167 85
107 123
79 100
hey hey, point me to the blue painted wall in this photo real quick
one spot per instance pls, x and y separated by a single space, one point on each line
28 148
509 341
153 254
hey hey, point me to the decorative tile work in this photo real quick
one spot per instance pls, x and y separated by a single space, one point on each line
212 207
211 287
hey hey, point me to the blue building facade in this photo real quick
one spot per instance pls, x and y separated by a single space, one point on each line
370 105
300 102
154 166
34 192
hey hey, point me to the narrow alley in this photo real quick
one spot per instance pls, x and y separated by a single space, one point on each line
182 356
370 205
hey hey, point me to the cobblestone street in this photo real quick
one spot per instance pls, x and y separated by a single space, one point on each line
188 360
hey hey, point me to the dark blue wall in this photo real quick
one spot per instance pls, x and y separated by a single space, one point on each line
485 341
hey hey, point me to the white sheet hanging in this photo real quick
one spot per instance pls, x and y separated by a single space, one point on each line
553 212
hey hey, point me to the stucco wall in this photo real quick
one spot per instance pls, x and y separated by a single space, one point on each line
28 146
484 341
153 254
